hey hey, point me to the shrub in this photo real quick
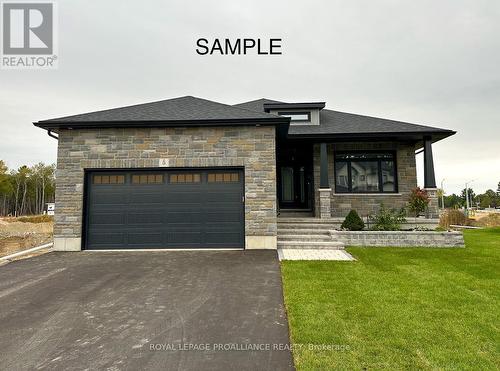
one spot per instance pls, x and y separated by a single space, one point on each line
419 201
388 219
353 222
452 216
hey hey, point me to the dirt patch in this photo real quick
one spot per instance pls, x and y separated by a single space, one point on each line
17 236
490 220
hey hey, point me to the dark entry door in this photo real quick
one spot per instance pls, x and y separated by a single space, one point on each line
295 177
186 208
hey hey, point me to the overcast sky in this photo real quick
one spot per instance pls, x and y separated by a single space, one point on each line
429 62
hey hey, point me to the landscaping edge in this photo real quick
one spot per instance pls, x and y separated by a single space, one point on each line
400 238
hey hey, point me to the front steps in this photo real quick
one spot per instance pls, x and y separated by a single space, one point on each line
306 234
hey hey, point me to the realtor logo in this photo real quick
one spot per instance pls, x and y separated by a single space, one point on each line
28 35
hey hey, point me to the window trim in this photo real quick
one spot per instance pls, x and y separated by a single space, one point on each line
379 169
308 113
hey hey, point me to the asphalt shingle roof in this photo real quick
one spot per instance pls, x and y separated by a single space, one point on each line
178 109
342 123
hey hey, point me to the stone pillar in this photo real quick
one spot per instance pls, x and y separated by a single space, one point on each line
433 208
325 204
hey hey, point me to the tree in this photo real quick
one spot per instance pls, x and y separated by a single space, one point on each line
472 196
453 201
26 190
489 199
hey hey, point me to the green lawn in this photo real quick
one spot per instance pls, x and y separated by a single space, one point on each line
398 308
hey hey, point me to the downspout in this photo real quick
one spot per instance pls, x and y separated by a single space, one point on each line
50 134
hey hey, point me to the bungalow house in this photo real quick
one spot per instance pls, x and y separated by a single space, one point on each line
193 173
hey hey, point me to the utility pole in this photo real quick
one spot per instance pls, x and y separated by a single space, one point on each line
467 197
442 193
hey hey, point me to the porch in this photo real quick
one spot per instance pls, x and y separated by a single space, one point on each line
327 179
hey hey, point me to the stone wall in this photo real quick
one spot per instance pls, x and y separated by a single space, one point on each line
248 146
399 238
366 204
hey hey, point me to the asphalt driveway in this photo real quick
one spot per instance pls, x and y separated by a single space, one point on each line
191 310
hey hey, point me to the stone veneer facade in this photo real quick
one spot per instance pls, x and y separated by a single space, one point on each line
250 147
366 204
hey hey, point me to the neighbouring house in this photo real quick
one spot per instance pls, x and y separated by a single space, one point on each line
193 173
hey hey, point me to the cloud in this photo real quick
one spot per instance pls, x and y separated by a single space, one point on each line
426 62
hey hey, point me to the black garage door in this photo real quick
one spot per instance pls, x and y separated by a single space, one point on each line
164 209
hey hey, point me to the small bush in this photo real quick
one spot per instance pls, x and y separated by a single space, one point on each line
353 222
452 217
419 201
388 219
36 219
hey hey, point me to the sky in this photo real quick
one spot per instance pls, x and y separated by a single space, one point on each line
428 62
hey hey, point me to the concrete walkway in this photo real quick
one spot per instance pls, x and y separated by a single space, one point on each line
314 254
189 310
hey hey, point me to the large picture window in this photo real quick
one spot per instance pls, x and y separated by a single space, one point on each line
360 172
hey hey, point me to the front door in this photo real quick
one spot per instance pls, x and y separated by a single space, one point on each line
295 178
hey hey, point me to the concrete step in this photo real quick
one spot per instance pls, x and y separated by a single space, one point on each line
307 221
304 237
318 231
330 245
322 227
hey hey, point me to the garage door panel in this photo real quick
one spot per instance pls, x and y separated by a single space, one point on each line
223 216
184 238
145 239
108 218
104 238
168 211
178 197
145 217
141 198
108 198
188 218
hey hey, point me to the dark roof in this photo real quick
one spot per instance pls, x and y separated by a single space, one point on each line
338 125
183 110
312 105
256 105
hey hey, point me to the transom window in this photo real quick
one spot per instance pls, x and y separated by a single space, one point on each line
223 177
365 172
108 179
185 178
147 179
297 116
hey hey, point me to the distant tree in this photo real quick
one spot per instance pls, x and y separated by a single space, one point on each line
472 196
453 201
498 189
26 190
489 199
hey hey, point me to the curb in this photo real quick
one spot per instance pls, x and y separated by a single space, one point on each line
6 259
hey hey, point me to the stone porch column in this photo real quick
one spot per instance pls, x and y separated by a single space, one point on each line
324 186
430 180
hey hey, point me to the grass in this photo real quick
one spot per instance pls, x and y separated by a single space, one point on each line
398 308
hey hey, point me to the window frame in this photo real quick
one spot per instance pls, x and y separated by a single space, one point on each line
291 113
379 170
